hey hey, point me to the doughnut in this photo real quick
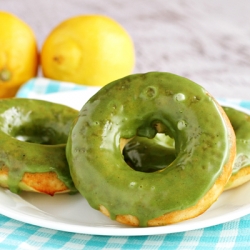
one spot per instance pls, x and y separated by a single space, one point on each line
144 105
241 168
33 136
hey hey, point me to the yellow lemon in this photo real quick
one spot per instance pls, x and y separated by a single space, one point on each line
88 49
18 54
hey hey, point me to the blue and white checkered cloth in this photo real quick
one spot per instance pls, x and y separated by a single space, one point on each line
18 235
42 86
21 236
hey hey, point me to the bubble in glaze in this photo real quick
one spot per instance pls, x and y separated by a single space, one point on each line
179 97
181 125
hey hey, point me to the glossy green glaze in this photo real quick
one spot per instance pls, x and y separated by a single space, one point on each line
142 105
241 125
33 135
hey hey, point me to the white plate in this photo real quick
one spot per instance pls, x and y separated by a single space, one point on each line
74 98
71 213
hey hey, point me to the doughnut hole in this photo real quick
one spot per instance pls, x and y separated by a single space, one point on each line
38 134
149 155
24 126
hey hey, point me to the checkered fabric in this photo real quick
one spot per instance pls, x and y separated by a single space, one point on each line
42 86
18 235
21 236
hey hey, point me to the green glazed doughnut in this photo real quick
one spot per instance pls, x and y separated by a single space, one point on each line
144 105
241 168
33 136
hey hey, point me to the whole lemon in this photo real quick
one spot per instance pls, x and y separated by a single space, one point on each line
18 54
88 49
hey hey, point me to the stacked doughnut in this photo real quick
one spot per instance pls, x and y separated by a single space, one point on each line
146 150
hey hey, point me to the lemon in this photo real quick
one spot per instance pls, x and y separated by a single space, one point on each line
18 54
88 49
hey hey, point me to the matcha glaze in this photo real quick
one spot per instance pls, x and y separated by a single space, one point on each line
33 136
142 105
